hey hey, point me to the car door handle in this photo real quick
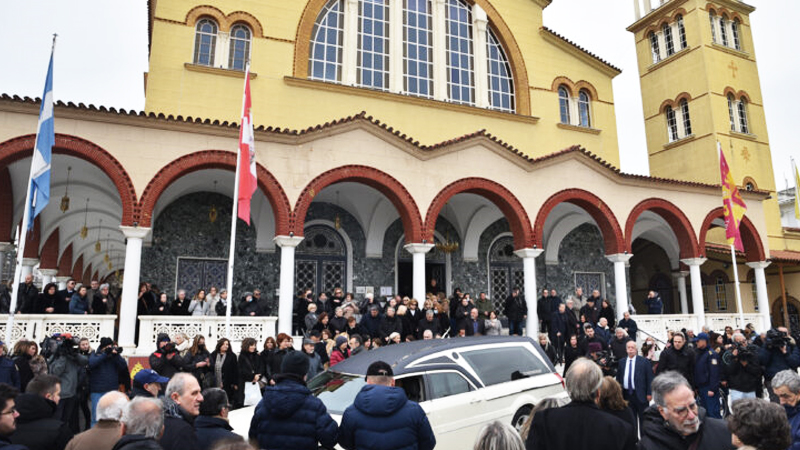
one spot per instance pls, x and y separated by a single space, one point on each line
475 400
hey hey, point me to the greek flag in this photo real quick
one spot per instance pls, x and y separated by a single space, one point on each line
43 151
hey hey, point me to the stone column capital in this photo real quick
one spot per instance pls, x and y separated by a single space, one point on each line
694 261
529 252
759 264
287 241
63 279
418 248
30 261
6 246
135 232
620 257
48 272
680 274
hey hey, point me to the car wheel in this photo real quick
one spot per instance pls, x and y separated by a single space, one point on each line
521 417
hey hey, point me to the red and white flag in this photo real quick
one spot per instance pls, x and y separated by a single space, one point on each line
247 155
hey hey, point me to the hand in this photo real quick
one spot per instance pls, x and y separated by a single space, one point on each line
170 355
105 300
735 352
252 314
49 310
649 397
783 349
235 387
710 393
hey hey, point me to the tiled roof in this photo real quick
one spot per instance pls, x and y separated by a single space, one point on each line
784 256
582 49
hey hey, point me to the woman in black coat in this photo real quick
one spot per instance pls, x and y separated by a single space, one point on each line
607 311
224 368
161 308
24 351
200 361
249 366
270 346
611 401
284 347
571 352
46 300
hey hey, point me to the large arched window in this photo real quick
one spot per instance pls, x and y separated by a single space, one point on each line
654 47
391 45
564 104
737 43
737 113
668 41
584 102
205 42
712 18
672 124
239 52
687 122
325 61
681 32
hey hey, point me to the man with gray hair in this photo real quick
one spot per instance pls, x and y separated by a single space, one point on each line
786 385
106 431
676 422
102 300
182 401
580 424
142 425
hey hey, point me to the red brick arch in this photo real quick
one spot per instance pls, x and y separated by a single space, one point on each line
21 147
674 217
213 159
512 209
374 178
65 262
33 238
596 208
77 270
753 247
49 254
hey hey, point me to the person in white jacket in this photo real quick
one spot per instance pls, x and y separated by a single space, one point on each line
199 304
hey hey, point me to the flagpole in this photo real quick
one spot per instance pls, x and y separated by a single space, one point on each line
22 231
738 290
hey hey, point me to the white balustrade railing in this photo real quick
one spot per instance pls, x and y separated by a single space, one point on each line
658 325
210 327
36 327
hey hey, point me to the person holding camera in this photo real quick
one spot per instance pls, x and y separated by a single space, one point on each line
778 353
67 363
104 366
167 361
741 370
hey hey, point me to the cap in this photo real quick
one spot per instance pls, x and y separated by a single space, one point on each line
163 337
307 341
340 340
295 363
379 369
105 342
147 376
702 337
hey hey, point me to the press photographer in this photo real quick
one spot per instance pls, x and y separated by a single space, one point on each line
104 367
167 361
779 353
603 358
741 370
66 363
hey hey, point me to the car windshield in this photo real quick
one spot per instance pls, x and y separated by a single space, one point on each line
337 391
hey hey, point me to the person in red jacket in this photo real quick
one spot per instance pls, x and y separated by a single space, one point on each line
340 351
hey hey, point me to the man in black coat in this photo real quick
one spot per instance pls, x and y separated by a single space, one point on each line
26 295
676 422
37 429
516 310
182 401
212 426
591 310
580 424
560 324
428 323
677 357
166 360
475 325
629 325
543 311
249 306
63 298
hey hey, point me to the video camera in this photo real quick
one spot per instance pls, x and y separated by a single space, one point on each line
111 349
59 344
776 339
169 347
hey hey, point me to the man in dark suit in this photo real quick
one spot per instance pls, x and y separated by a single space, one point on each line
580 424
475 325
63 298
635 374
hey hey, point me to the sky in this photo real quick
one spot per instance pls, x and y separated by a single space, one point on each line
102 62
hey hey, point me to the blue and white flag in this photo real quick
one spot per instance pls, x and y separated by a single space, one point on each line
43 151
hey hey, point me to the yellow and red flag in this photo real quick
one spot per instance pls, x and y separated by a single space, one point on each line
732 203
248 181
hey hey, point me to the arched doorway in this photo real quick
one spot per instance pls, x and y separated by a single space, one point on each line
793 307
505 270
662 284
321 261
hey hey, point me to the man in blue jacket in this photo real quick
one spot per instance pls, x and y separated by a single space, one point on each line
706 376
104 367
382 417
289 417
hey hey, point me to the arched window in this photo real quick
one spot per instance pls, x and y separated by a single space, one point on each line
418 48
505 270
737 43
723 30
563 103
682 33
325 61
240 47
668 41
720 294
583 109
672 124
687 122
205 42
321 262
743 116
654 47
460 60
737 113
501 84
373 44
712 17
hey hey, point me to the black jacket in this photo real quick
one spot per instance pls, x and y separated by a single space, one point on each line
178 429
136 442
44 301
713 433
180 307
230 372
579 425
249 366
469 327
630 326
245 308
5 444
516 309
100 307
210 430
741 377
166 366
37 429
23 363
681 361
391 325
423 325
27 297
62 300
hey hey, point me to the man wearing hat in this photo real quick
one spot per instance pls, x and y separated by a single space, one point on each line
167 361
289 417
706 376
104 367
148 383
382 417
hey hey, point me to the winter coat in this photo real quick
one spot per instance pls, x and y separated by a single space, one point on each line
630 326
44 301
37 429
570 355
338 356
382 417
179 307
160 309
793 414
210 430
740 377
8 372
714 434
390 325
246 308
654 305
493 327
100 307
104 370
314 365
136 442
608 313
63 299
178 428
289 417
230 373
774 361
102 436
275 359
559 323
198 308
423 325
68 369
23 363
707 370
200 372
550 351
310 320
462 314
5 444
249 366
78 304
372 324
681 361
165 366
337 324
618 348
579 425
515 308
591 313
26 300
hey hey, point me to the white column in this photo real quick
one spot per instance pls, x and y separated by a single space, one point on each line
48 276
418 252
349 44
130 286
528 256
396 47
5 247
680 277
286 293
439 17
62 282
697 288
27 267
761 292
637 9
620 281
480 22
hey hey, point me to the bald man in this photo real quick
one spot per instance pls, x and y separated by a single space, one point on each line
106 431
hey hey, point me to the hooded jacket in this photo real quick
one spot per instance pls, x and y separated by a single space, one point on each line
713 433
289 418
37 429
382 417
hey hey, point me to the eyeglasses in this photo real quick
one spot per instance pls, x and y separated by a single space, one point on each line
10 411
684 411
